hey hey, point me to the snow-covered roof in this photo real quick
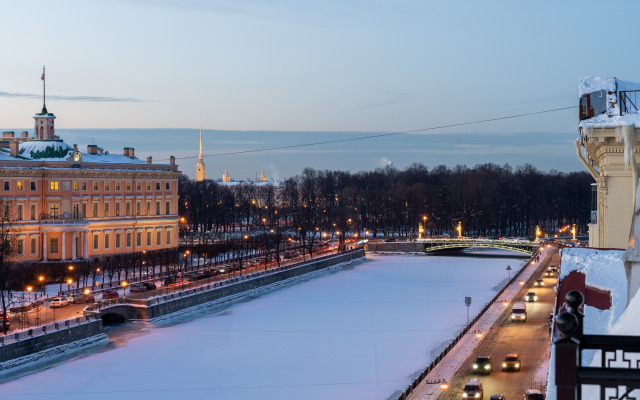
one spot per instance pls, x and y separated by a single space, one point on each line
604 93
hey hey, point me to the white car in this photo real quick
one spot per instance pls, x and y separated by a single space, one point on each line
59 302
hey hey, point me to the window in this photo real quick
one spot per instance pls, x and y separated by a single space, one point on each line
106 186
148 185
107 239
148 238
54 185
76 211
95 210
7 185
148 210
33 211
168 238
95 186
84 210
20 248
53 245
127 209
84 185
33 186
118 240
168 207
159 238
117 185
34 245
106 209
20 185
54 210
19 214
128 239
95 241
117 214
167 185
128 186
138 208
137 185
157 208
139 239
7 210
76 186
157 185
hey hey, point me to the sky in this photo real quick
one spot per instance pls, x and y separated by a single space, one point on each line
316 68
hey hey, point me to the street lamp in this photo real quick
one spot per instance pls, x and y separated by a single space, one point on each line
124 289
29 289
459 229
41 279
69 282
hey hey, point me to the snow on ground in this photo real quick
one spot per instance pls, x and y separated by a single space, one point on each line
363 332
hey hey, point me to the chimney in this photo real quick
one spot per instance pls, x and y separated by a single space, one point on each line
100 150
149 160
92 149
172 160
129 152
7 134
24 134
13 149
75 147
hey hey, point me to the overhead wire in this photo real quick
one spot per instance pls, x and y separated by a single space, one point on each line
379 135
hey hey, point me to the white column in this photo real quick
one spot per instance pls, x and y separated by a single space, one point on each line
73 245
86 244
64 247
44 246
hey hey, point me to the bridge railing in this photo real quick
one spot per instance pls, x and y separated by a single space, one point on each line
22 334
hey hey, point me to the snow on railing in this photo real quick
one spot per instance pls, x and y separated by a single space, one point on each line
44 329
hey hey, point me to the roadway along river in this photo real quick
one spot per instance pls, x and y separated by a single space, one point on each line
360 332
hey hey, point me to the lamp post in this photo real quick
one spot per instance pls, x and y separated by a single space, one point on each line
459 229
29 289
41 279
573 231
124 289
69 282
538 233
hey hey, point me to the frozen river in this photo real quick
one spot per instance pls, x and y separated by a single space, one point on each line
359 332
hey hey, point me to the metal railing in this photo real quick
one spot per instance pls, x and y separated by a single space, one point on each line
619 371
628 101
27 333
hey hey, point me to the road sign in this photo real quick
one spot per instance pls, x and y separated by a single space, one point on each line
467 301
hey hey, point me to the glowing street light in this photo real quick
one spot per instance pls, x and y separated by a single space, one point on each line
459 229
29 289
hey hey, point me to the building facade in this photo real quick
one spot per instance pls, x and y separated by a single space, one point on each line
201 169
68 205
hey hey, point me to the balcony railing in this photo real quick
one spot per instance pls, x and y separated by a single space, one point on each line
628 101
62 221
619 371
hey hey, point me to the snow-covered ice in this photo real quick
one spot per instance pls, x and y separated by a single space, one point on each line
362 332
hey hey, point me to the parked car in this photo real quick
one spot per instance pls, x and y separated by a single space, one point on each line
58 302
88 298
538 283
75 298
533 394
204 274
169 280
137 288
110 294
483 365
511 362
473 390
149 285
531 296
6 318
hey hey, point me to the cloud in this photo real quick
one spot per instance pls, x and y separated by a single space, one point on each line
385 162
73 98
272 172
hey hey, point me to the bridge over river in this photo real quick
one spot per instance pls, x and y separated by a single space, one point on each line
436 246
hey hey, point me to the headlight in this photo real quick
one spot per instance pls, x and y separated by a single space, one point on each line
487 366
517 365
535 297
475 366
522 317
513 316
477 395
504 365
464 395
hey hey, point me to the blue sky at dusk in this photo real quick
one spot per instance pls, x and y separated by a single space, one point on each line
145 73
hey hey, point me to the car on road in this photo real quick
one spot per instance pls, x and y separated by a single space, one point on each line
519 312
149 285
553 268
511 362
75 298
88 298
483 365
533 394
531 296
497 397
110 294
58 302
538 283
473 390
548 273
137 288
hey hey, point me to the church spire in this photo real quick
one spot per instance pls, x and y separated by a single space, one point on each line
201 170
44 93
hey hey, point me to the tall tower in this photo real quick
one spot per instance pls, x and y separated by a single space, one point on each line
44 128
201 170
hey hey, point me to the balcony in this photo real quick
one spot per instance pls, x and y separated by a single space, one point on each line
53 220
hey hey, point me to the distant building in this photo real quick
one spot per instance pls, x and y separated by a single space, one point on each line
608 147
262 177
226 177
201 169
70 205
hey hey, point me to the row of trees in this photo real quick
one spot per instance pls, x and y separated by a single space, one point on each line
488 200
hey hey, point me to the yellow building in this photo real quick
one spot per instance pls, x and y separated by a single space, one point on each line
68 204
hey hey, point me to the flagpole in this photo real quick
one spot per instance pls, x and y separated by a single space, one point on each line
44 89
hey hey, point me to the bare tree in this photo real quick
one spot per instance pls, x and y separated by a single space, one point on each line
8 248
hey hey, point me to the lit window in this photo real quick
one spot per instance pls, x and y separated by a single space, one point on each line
54 185
148 185
54 210
95 185
106 186
76 185
128 186
118 185
20 185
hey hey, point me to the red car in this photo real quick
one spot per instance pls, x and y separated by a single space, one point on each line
110 294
